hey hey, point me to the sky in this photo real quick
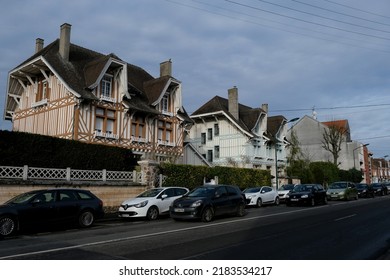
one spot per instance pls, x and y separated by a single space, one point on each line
298 56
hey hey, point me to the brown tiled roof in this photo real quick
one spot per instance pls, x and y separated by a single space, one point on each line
247 116
274 123
84 67
342 125
153 88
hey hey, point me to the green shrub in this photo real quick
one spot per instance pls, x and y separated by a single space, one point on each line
18 149
191 176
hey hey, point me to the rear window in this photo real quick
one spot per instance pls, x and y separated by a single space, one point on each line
233 191
85 196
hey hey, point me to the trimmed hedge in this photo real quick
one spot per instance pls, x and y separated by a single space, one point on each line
192 176
19 148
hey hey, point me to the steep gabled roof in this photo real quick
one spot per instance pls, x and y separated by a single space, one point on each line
248 116
274 123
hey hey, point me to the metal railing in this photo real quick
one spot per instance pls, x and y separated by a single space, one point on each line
68 174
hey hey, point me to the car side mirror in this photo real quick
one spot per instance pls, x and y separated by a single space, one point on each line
164 196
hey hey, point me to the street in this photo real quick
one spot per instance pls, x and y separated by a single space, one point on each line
341 230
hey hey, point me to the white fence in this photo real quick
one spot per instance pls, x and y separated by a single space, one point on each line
68 174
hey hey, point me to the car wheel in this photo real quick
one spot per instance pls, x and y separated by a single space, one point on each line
277 201
152 213
259 202
241 210
7 226
86 218
207 214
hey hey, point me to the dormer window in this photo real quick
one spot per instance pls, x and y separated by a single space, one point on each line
42 94
106 89
165 105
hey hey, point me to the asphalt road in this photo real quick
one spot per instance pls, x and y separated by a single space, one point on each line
351 230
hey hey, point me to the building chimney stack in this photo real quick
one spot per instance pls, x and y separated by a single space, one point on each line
264 107
166 68
65 41
233 102
38 44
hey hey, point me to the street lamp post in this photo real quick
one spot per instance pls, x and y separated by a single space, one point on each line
277 141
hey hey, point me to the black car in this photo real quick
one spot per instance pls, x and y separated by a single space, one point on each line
365 190
379 189
307 194
41 208
208 201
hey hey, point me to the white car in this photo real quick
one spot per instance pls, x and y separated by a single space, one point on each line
151 203
284 190
261 195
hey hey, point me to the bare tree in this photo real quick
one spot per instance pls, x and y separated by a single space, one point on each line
333 137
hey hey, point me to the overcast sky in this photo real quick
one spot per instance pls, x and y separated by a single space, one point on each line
333 56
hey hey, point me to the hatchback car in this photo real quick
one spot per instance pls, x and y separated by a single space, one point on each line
284 190
41 208
208 201
365 190
307 194
342 191
151 203
257 196
379 189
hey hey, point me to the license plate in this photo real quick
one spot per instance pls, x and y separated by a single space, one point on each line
180 210
294 199
335 195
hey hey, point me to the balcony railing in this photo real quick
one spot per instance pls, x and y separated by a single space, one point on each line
106 134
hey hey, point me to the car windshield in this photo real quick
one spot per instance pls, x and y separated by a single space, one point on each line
202 192
340 185
286 188
150 193
301 188
22 198
251 190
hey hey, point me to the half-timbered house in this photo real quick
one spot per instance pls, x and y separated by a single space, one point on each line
71 92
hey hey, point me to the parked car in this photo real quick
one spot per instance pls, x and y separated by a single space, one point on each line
152 203
41 208
387 184
379 189
309 194
342 191
207 202
284 190
257 196
365 190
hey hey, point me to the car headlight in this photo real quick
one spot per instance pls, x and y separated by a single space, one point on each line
141 204
304 196
197 203
342 193
287 196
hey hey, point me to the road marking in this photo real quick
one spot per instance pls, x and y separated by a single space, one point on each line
153 234
346 217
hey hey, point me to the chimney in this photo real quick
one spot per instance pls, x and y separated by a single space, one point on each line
166 68
38 44
264 107
233 102
65 41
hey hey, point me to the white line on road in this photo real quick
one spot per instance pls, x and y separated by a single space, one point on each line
151 234
346 217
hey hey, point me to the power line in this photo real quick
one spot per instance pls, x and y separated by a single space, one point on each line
306 21
357 9
339 13
282 29
323 17
331 108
